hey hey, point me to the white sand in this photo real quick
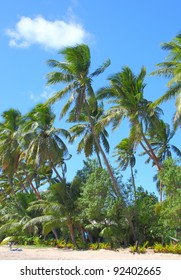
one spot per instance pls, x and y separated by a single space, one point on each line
62 254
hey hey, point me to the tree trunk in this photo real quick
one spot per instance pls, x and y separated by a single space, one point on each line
72 233
31 184
83 234
150 152
99 159
22 184
10 180
133 182
152 155
115 185
58 175
161 192
55 233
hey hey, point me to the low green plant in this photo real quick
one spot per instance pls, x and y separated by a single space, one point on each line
101 245
139 249
63 245
168 248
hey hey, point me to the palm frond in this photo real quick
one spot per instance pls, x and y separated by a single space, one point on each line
101 69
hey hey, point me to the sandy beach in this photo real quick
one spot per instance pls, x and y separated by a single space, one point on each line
66 254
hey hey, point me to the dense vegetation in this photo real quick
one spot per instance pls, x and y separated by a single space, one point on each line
98 206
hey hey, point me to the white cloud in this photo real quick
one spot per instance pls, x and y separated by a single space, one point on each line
45 95
49 34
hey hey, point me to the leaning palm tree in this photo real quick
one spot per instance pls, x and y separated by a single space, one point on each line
126 92
11 149
83 128
74 71
160 143
171 68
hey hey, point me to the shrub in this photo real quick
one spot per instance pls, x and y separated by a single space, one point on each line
97 245
169 248
139 249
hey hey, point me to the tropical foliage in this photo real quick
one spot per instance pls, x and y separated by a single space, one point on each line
98 208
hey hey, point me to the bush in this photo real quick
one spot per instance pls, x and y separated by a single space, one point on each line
169 248
97 245
139 249
63 245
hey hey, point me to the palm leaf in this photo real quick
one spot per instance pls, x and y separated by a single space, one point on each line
101 69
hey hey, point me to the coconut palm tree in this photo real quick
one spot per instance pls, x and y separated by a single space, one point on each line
14 216
74 71
87 143
11 149
171 68
58 209
9 145
160 143
126 92
125 154
41 140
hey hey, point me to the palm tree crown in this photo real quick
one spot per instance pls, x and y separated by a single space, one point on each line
87 142
75 73
41 140
171 68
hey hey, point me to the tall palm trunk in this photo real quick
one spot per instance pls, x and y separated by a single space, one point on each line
99 159
152 155
115 185
133 182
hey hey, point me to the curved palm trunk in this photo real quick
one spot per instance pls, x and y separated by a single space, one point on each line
58 175
31 184
55 170
22 184
115 185
152 155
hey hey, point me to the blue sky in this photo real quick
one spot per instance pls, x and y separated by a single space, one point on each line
128 32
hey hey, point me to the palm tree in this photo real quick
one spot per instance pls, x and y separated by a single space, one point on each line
75 73
14 215
125 153
126 92
58 209
9 146
41 141
160 143
177 115
87 142
171 68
